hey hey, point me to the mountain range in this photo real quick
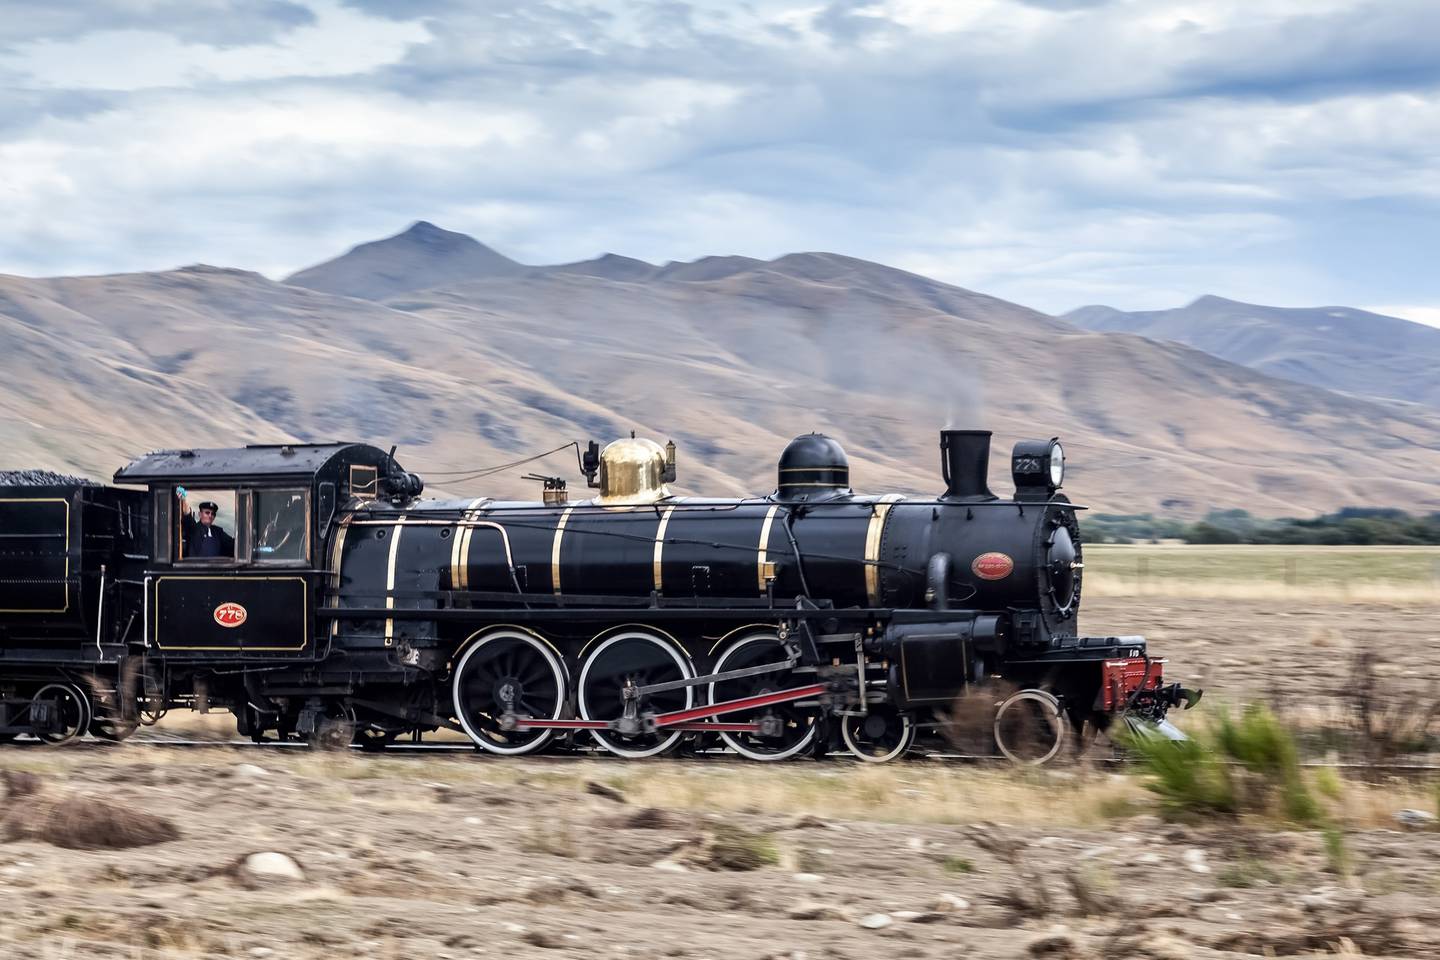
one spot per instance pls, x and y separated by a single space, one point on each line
468 359
1338 348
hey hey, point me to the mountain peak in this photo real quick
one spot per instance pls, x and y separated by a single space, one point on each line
1211 300
207 269
423 231
607 266
421 256
1098 316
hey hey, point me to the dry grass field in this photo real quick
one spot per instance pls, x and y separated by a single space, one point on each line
454 855
1398 575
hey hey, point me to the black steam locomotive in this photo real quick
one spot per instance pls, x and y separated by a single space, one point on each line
346 608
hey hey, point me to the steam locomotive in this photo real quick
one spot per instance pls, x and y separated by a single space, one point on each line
349 609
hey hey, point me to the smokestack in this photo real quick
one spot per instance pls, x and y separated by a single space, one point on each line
965 462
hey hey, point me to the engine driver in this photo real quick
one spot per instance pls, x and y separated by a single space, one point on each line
205 538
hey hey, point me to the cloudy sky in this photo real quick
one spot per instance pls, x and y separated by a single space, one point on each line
1054 152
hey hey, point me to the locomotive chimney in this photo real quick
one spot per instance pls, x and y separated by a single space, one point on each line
965 462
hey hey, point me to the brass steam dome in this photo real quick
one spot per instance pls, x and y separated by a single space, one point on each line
632 470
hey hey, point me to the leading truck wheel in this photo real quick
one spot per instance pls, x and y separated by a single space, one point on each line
73 717
112 728
798 726
879 736
508 672
1031 728
114 714
633 659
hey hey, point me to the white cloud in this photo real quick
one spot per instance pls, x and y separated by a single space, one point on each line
1051 151
945 16
217 22
340 42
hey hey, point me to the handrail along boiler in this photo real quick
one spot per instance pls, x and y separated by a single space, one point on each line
637 621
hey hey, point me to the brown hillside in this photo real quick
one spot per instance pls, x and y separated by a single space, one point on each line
730 363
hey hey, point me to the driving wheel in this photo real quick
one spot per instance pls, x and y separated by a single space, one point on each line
613 671
513 673
795 727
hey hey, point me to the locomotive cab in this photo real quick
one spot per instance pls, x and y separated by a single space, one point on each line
276 506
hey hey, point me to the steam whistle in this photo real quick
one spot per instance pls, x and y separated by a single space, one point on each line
669 475
590 464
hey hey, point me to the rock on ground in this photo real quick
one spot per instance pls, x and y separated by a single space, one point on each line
270 867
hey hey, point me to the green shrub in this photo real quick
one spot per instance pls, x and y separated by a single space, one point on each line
1337 855
734 848
1247 872
1248 764
957 865
1257 740
1351 525
1328 782
1117 808
1187 776
554 839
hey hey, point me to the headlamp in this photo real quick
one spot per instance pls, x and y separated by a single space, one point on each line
1038 468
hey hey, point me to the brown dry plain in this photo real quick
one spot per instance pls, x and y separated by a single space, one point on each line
454 855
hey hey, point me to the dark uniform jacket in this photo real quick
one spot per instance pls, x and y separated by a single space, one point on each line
202 541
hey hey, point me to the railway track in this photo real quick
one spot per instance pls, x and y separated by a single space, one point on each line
177 742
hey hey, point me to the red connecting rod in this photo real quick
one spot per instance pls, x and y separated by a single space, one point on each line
695 718
676 717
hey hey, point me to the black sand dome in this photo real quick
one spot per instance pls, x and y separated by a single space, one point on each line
813 467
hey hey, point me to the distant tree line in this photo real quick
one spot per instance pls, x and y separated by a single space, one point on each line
1357 526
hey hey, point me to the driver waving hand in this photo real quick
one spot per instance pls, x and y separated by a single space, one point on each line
204 538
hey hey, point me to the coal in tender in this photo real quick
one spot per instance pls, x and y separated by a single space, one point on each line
42 478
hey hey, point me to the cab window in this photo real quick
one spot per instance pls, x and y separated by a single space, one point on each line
364 481
204 525
280 526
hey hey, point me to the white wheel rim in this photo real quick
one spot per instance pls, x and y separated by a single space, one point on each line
612 742
907 737
480 737
733 741
80 699
1056 721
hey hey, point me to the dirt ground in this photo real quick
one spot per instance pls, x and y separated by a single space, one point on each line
454 855
1302 653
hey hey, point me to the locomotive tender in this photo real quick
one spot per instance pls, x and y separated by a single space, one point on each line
639 621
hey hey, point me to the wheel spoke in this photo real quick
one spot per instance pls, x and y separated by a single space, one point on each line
640 659
511 658
893 740
72 708
800 726
533 674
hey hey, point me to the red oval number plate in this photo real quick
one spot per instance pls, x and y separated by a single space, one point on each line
231 614
992 566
